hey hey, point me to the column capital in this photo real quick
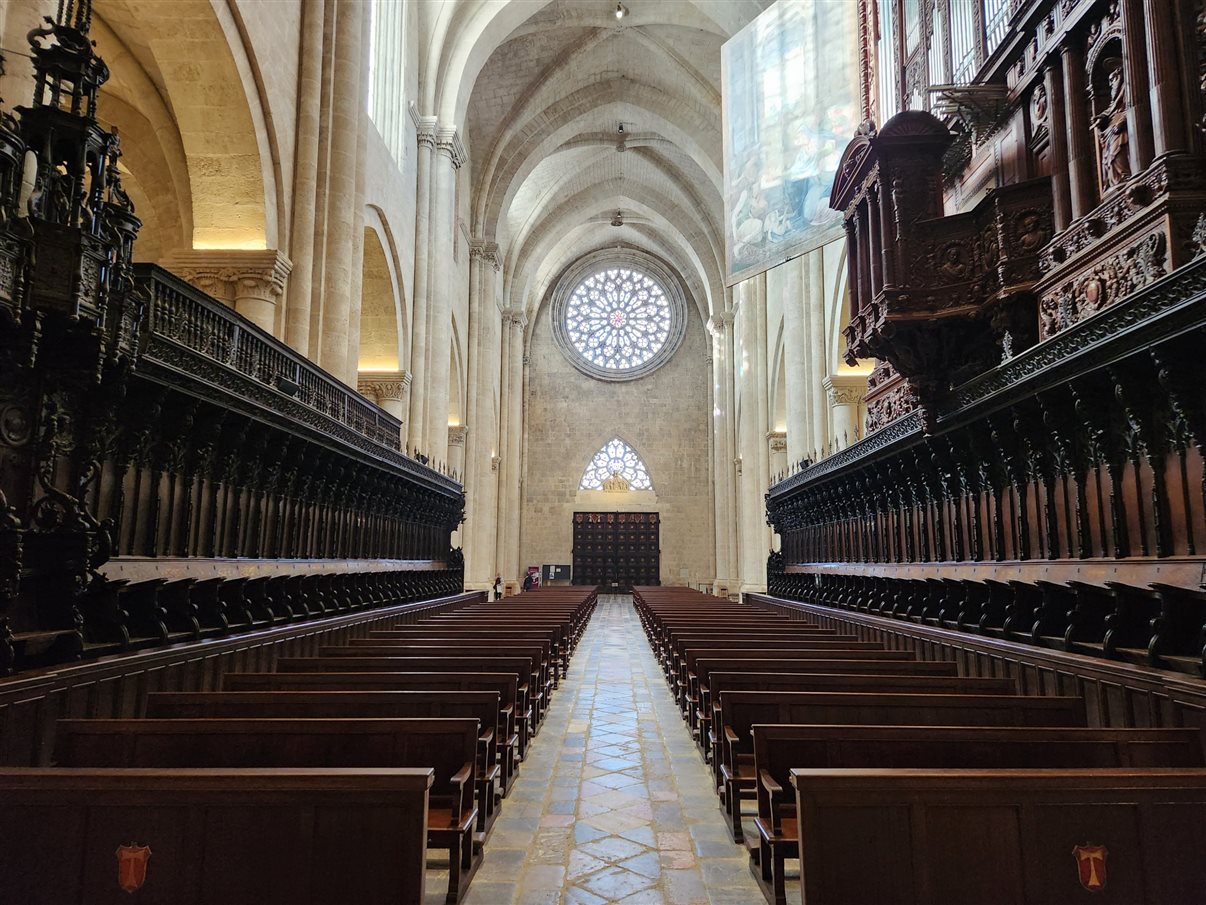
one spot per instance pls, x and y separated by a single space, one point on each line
516 317
383 385
777 441
720 322
486 252
456 434
845 389
448 141
232 272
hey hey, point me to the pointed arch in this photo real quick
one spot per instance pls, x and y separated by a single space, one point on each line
616 457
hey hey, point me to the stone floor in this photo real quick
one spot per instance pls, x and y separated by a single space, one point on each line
613 803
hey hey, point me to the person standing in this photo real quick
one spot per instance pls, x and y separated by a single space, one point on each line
498 587
527 582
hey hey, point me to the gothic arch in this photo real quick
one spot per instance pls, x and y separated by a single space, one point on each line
616 456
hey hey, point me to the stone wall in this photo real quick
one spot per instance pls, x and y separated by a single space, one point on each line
663 416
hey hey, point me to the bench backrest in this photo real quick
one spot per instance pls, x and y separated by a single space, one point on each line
933 837
444 745
894 684
266 836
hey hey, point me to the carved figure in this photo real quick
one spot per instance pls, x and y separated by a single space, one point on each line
1113 144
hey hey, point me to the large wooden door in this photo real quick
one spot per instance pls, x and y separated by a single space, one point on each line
617 549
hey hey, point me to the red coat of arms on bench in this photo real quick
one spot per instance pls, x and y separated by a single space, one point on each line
132 866
1091 866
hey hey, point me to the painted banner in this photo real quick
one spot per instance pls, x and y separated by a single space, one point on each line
790 82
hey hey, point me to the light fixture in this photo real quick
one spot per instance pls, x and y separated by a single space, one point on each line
621 11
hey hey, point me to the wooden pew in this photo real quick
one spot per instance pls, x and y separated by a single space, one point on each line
1023 837
780 748
482 706
844 682
235 837
447 746
506 685
522 667
422 633
687 685
740 710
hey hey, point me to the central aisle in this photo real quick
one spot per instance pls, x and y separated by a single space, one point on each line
613 804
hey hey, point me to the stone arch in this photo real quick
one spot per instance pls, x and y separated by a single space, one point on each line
192 53
380 312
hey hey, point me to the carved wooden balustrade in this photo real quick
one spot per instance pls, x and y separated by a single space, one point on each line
168 471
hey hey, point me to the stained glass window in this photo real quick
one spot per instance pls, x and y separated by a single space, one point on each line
618 318
616 458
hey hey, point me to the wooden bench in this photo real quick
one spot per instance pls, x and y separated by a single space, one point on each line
482 706
202 837
740 710
1023 837
780 748
447 746
522 667
506 685
686 684
717 682
423 633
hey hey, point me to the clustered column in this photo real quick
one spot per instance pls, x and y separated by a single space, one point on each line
440 157
723 450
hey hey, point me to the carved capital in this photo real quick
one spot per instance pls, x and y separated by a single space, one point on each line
515 317
777 441
448 141
456 434
845 389
719 323
383 385
231 273
486 252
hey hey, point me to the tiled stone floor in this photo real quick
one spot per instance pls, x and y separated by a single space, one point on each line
613 803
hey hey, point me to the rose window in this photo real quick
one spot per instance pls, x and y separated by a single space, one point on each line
618 319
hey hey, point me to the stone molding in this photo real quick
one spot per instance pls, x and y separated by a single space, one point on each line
457 434
383 385
777 441
230 273
439 136
845 389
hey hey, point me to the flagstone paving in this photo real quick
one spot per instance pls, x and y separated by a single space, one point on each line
613 803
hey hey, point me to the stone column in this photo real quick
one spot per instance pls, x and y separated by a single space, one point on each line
347 103
847 393
419 340
776 442
723 454
1168 111
481 505
818 354
389 389
447 160
251 282
456 449
753 455
510 519
305 177
796 366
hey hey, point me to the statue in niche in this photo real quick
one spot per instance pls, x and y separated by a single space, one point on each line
1113 147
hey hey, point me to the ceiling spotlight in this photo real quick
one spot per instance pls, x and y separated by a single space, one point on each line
621 11
621 129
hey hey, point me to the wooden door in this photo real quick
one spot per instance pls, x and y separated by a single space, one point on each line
617 549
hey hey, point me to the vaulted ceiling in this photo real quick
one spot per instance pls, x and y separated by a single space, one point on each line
550 168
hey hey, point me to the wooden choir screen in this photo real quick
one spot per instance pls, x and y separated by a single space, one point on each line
617 549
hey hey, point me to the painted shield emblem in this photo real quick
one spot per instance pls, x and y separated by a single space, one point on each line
1091 866
132 866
